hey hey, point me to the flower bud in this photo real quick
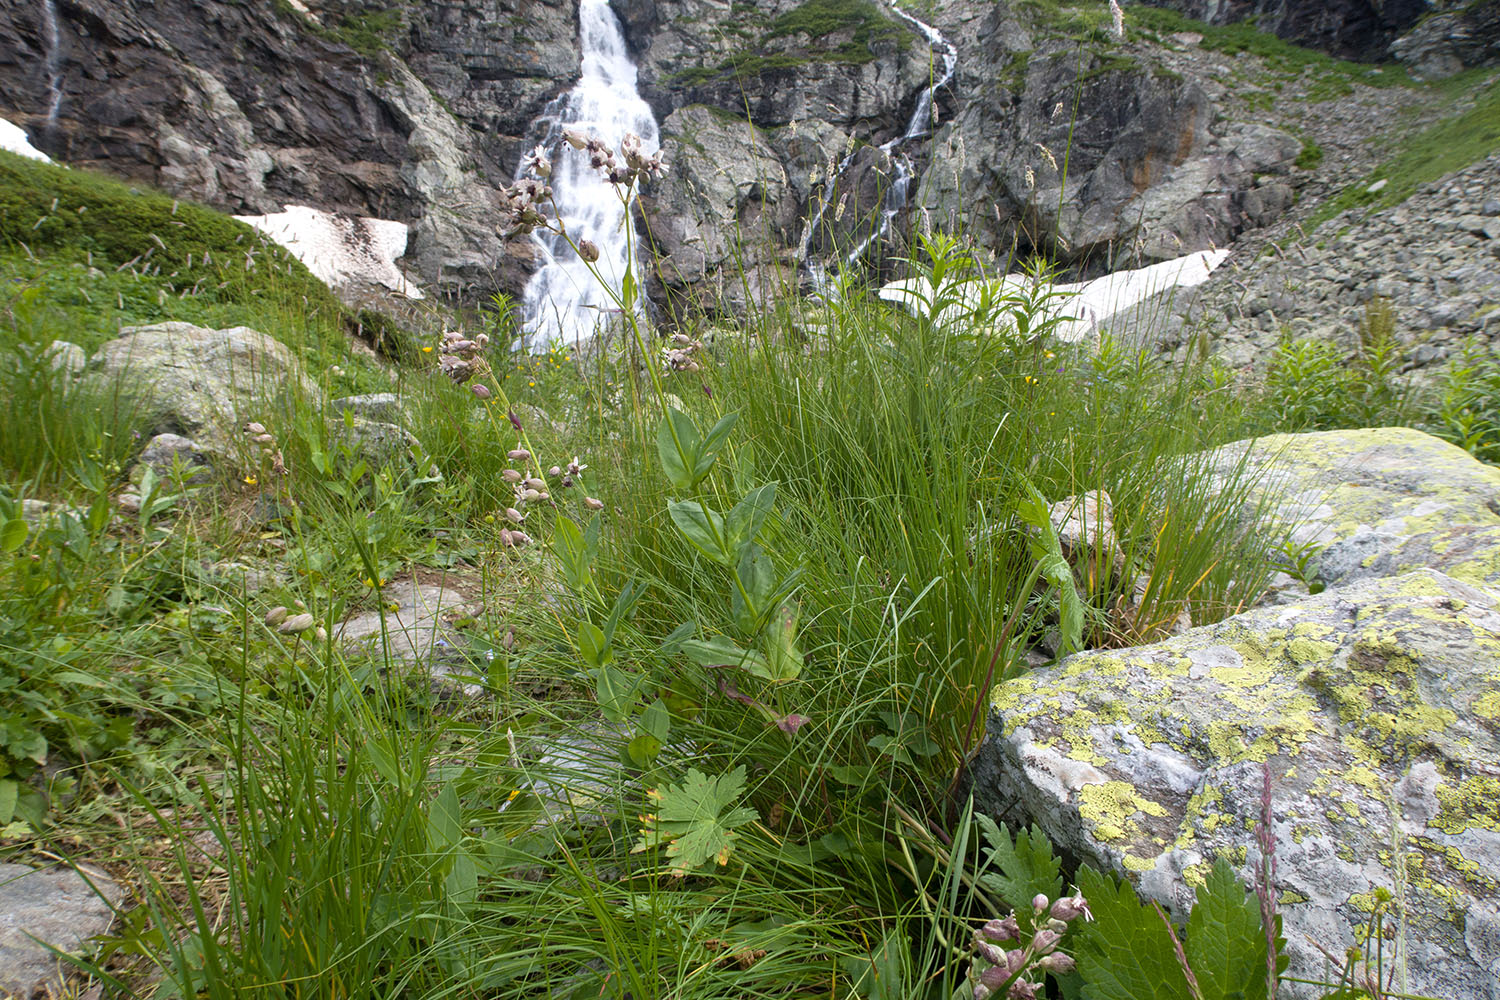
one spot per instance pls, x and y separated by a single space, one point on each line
480 390
1071 907
296 624
255 428
555 471
320 633
511 476
509 642
263 439
989 952
593 504
530 495
1045 940
276 615
588 251
514 515
1039 903
1058 963
518 455
1002 930
534 483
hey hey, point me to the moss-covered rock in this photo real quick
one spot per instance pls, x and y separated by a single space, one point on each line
1375 705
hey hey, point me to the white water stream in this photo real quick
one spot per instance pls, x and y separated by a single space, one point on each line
564 301
53 61
917 127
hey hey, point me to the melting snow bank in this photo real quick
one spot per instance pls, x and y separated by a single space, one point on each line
1079 307
14 140
339 249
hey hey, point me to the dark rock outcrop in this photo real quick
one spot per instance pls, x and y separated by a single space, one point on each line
1352 29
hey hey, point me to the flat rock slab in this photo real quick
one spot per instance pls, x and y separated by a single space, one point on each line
55 905
415 627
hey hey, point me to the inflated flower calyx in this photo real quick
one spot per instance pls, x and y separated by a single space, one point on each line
511 476
297 624
588 250
518 455
276 615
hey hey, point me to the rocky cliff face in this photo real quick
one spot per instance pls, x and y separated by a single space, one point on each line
1352 29
771 110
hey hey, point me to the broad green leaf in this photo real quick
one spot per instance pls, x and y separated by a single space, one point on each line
679 453
783 658
13 534
629 289
462 883
750 600
1125 952
623 607
656 720
616 691
745 519
702 528
1226 943
1020 867
593 646
713 443
444 825
10 789
696 820
1046 549
643 749
721 651
573 554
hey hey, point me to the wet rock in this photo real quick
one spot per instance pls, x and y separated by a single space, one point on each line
57 906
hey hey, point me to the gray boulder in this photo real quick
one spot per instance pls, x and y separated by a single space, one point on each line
52 905
167 453
1375 705
198 383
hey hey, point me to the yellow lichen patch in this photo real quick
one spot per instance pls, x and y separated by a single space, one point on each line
1111 807
1305 651
1132 863
1487 706
1201 815
1470 804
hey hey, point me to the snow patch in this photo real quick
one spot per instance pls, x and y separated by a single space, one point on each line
340 249
13 139
1080 307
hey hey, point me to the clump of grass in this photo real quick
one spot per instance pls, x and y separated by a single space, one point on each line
819 22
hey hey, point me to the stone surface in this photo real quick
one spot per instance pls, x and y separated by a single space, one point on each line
1375 705
199 383
414 629
166 453
57 906
382 406
67 357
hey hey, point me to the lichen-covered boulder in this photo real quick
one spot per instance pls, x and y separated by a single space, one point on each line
198 383
1381 501
1377 708
1375 705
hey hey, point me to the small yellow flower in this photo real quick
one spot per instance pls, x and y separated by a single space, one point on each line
427 349
250 480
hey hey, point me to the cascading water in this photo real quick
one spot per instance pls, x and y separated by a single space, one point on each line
918 126
52 64
564 300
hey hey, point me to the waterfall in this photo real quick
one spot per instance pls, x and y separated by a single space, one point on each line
564 301
917 127
52 38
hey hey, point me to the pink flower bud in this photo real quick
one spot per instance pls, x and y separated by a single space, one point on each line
480 391
1001 930
520 538
1039 903
1071 907
514 515
1058 963
989 952
1045 940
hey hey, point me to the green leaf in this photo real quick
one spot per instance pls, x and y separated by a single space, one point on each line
696 820
12 535
444 826
745 520
1125 952
616 691
10 788
758 583
713 443
702 528
573 554
642 749
1046 549
783 658
593 646
1226 943
1020 867
679 453
721 651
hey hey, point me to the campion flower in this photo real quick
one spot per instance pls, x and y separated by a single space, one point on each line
537 162
481 391
573 137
